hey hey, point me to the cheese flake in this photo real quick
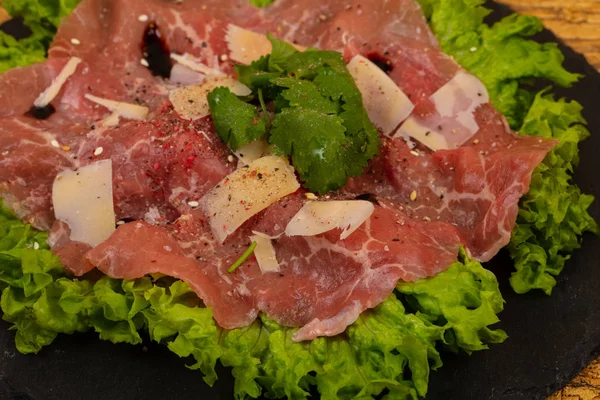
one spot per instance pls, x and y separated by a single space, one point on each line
252 151
185 76
317 217
247 191
190 102
453 122
190 62
386 104
246 46
265 253
126 110
83 199
57 83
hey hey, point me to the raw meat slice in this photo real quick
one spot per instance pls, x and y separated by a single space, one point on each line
164 164
323 283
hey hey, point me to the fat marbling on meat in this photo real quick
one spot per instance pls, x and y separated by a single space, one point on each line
428 203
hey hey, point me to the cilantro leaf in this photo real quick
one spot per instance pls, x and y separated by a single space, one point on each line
306 94
258 76
334 138
315 142
280 53
261 3
236 122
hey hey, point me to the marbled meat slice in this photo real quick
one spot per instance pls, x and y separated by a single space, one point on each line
429 204
476 187
323 285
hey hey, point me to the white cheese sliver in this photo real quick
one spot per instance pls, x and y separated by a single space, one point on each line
265 253
318 217
252 151
83 199
246 46
191 63
453 122
127 110
430 138
460 97
185 76
386 104
57 83
190 102
111 120
247 191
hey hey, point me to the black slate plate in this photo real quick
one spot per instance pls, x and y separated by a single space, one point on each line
551 338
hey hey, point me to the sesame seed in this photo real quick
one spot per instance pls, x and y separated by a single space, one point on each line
310 196
224 57
230 158
386 248
36 246
75 41
143 18
98 151
473 49
121 222
475 141
66 148
144 62
54 143
413 195
414 153
426 219
193 203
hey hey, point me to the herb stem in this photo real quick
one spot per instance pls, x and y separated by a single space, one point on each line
263 105
243 258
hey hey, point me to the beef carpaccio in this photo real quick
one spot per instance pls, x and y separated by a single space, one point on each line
427 203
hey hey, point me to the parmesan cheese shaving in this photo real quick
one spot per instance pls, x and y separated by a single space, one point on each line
83 199
430 138
57 83
460 97
185 76
318 217
453 122
252 151
127 110
265 253
385 102
193 64
246 46
247 191
190 102
111 120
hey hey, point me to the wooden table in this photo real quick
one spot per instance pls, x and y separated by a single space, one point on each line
577 22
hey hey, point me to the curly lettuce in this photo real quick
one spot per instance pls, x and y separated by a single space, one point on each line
42 18
553 216
393 346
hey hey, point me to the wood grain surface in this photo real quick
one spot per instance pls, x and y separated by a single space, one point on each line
577 22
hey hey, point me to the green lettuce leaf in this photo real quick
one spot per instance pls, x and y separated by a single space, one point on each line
553 215
42 17
393 346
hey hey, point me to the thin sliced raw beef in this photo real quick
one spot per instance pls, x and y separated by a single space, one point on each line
428 203
323 285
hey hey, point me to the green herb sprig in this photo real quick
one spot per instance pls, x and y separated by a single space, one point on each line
319 118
